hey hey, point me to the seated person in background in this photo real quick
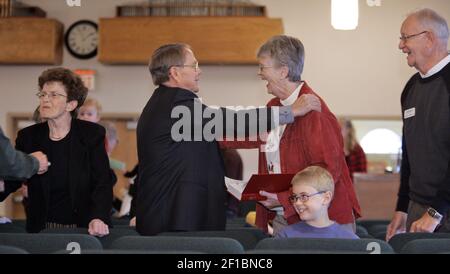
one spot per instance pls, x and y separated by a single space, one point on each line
313 190
111 142
90 111
121 201
354 154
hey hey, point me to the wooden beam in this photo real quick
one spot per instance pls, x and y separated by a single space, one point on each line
31 41
215 40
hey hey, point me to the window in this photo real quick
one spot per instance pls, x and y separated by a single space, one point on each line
381 141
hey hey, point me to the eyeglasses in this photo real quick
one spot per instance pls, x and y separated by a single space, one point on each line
51 95
194 66
405 38
303 197
261 67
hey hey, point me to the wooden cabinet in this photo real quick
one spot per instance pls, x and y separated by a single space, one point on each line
31 41
215 40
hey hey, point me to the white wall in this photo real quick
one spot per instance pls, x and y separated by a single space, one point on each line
359 72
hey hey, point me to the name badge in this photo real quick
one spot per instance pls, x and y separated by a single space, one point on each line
410 113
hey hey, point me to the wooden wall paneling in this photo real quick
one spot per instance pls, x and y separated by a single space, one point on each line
215 40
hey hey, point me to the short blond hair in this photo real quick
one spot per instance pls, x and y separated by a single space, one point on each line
314 176
93 102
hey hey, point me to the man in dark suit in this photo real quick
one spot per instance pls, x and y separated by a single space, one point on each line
181 171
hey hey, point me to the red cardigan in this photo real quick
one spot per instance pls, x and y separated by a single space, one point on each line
314 139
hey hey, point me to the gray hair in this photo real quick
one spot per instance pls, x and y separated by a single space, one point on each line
164 58
432 21
286 51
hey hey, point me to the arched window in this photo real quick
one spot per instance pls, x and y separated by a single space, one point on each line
381 141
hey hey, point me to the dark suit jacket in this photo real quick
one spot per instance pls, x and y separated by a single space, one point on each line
181 183
89 174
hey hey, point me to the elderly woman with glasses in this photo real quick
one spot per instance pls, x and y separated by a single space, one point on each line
313 139
76 191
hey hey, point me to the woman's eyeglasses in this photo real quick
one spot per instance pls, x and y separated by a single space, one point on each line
51 95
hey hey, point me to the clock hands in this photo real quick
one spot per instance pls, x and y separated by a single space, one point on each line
86 37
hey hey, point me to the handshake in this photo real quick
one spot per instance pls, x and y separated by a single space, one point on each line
43 161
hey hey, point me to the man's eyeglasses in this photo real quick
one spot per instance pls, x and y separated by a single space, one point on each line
51 95
261 67
303 197
405 38
194 66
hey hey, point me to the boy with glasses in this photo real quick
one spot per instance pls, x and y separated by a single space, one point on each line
313 190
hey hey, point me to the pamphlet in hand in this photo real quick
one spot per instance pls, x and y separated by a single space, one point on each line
249 191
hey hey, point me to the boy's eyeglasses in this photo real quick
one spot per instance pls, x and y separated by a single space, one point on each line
303 197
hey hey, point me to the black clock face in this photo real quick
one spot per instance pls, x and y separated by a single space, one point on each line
82 39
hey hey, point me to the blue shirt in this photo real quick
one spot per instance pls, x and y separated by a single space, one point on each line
304 230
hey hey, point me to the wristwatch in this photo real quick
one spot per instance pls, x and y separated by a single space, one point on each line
434 214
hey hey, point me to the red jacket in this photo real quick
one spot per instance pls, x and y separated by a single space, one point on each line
314 139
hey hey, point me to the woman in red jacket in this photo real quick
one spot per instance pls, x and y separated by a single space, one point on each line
314 139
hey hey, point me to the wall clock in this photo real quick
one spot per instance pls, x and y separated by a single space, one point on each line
81 39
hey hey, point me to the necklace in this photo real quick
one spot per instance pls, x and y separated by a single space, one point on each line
54 138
